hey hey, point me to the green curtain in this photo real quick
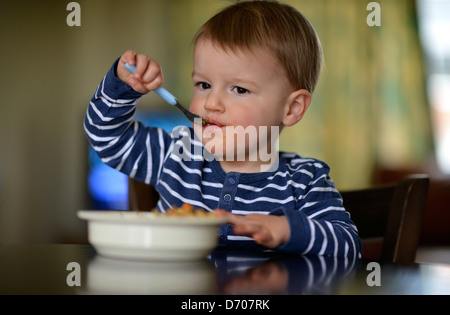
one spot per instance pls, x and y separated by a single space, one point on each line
370 108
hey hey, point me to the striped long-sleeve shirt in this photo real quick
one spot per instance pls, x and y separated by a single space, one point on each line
175 164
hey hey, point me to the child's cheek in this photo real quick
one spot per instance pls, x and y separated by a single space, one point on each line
244 119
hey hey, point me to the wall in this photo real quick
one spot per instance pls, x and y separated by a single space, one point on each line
49 72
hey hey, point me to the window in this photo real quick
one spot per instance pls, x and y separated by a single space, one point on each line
434 28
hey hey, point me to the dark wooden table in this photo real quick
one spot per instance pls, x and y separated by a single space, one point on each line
78 269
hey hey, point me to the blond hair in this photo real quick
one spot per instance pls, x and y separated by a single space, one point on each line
268 24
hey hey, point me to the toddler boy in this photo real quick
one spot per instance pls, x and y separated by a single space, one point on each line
256 64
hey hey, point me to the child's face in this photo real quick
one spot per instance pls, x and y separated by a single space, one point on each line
240 90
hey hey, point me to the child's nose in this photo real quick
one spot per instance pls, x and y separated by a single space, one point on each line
214 102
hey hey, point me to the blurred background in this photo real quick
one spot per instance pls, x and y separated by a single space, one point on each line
381 110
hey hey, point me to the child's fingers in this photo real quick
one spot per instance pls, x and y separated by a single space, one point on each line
222 213
125 75
147 75
148 72
245 228
252 225
152 77
128 57
256 231
152 72
142 63
137 85
244 225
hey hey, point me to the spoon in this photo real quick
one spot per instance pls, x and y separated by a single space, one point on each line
169 98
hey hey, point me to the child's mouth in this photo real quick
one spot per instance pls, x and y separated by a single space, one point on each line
212 123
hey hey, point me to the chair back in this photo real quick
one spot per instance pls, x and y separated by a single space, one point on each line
393 213
141 196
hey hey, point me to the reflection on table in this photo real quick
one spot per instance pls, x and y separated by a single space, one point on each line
115 276
42 269
223 273
272 273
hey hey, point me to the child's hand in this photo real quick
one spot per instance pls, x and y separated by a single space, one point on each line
146 78
268 230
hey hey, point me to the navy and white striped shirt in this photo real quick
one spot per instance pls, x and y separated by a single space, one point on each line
175 164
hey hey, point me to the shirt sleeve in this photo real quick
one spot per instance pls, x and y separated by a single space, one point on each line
321 225
119 140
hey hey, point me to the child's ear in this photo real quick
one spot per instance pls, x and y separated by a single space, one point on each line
296 106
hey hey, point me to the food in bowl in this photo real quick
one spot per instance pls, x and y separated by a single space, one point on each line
182 233
188 210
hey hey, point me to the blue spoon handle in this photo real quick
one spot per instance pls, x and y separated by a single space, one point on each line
162 92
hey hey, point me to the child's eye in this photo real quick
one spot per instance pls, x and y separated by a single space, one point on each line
240 90
203 85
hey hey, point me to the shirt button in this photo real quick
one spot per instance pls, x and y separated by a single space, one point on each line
219 231
231 180
227 197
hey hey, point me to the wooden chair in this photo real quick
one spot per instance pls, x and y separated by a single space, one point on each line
141 196
393 213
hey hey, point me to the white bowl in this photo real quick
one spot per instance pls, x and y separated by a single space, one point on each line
148 236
